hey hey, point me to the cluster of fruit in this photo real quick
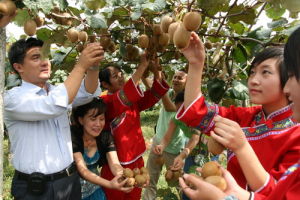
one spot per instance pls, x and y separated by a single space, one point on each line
7 11
173 175
136 177
211 173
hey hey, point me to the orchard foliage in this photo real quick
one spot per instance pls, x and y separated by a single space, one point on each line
228 28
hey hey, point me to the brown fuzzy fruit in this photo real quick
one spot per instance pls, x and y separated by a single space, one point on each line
192 21
7 7
208 45
30 27
82 36
79 47
144 170
169 175
128 173
181 37
165 23
111 47
163 39
214 147
136 171
66 20
130 182
172 29
156 29
211 168
147 177
105 41
39 21
177 174
72 35
92 38
143 41
217 181
140 180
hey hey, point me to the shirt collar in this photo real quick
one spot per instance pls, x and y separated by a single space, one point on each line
34 88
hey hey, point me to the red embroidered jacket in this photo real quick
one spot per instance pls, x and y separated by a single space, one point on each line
288 187
273 138
123 117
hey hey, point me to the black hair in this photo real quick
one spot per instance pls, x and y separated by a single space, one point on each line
179 98
105 73
18 49
268 53
292 54
80 111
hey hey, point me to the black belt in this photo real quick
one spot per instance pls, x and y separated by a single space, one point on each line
70 170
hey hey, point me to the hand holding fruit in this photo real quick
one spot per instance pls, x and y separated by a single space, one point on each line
178 163
144 61
229 134
91 55
115 183
195 51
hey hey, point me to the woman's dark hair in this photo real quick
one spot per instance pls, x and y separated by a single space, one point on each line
268 53
292 54
18 49
105 73
179 97
96 104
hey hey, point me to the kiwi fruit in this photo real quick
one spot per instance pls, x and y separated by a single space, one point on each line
82 36
165 23
128 173
217 181
163 39
66 20
144 170
39 21
30 27
7 7
177 174
160 160
130 182
105 41
72 35
111 47
171 30
92 38
208 45
169 175
156 29
143 41
136 171
192 21
214 147
140 180
211 168
181 37
79 47
147 177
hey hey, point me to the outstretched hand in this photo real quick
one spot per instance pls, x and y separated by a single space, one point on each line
115 184
195 52
91 55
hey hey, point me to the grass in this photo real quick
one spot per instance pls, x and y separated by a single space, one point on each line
148 120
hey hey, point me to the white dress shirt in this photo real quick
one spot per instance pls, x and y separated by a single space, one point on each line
38 126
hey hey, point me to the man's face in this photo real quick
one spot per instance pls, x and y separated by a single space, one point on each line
34 69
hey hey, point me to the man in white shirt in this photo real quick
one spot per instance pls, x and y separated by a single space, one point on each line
36 116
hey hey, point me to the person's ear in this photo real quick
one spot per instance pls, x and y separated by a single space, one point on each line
80 120
18 67
104 84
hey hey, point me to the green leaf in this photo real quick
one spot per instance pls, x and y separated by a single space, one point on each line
239 54
239 91
12 80
45 5
43 34
216 89
21 17
156 6
274 11
264 33
278 23
62 4
45 50
136 15
97 21
239 28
